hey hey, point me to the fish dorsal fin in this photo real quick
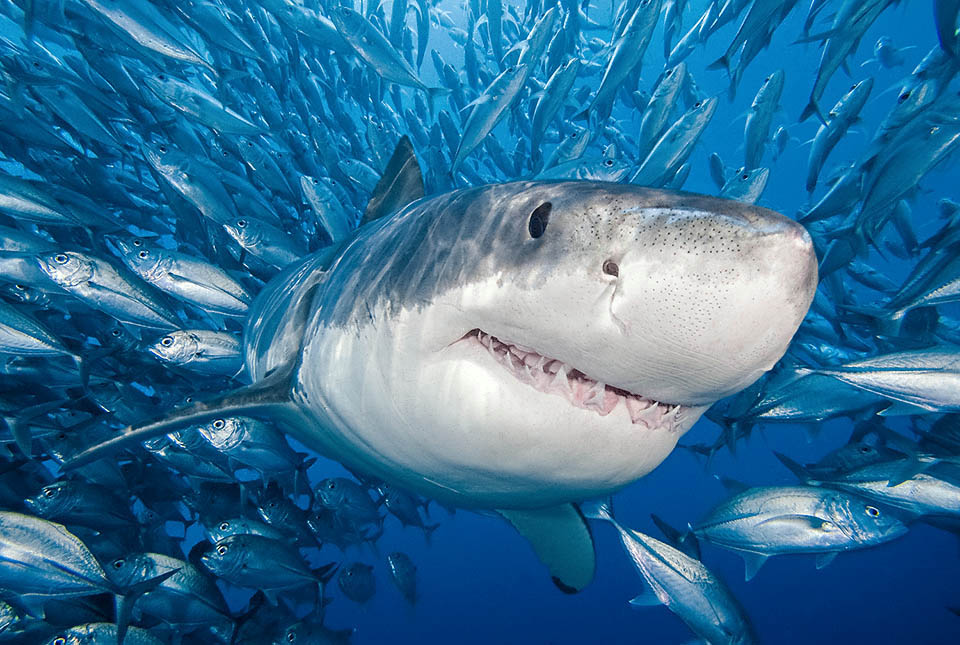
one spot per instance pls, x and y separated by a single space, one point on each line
562 540
401 183
752 563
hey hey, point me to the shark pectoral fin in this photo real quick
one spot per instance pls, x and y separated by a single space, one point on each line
824 559
268 397
752 563
562 540
401 183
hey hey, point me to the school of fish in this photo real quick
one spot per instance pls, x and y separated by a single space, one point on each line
161 162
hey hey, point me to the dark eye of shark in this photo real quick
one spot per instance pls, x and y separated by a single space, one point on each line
539 219
610 268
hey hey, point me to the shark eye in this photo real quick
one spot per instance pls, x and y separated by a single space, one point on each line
610 268
873 511
539 219
222 549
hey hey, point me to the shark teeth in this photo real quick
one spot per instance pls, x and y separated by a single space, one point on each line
556 377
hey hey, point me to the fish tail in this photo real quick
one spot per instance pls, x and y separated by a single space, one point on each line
721 63
433 93
812 107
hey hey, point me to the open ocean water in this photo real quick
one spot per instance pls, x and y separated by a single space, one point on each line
186 125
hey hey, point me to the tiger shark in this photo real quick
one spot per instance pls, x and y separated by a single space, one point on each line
518 347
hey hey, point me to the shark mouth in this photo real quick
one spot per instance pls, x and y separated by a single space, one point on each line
552 376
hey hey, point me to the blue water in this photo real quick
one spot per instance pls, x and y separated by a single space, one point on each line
480 582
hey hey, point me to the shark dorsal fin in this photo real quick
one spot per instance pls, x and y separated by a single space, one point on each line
401 183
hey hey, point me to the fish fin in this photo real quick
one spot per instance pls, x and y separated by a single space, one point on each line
646 598
401 183
824 559
685 542
901 408
562 540
721 63
733 485
752 563
798 470
126 598
270 395
812 108
433 93
910 469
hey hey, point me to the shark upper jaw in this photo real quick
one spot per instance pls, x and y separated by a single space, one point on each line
552 376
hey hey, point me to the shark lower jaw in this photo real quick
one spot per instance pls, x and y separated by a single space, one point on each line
552 376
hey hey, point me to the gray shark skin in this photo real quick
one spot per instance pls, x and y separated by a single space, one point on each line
521 346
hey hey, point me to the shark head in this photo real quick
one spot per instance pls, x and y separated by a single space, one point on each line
526 344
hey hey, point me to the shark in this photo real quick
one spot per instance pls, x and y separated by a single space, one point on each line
517 347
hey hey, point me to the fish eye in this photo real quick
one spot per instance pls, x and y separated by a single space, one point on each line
241 223
608 163
873 511
219 423
903 97
62 435
19 287
137 241
222 549
162 148
249 144
272 505
291 636
539 219
60 258
118 564
59 640
866 450
331 485
115 333
224 526
745 175
611 268
574 135
167 341
697 104
853 87
49 492
161 77
348 572
143 255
